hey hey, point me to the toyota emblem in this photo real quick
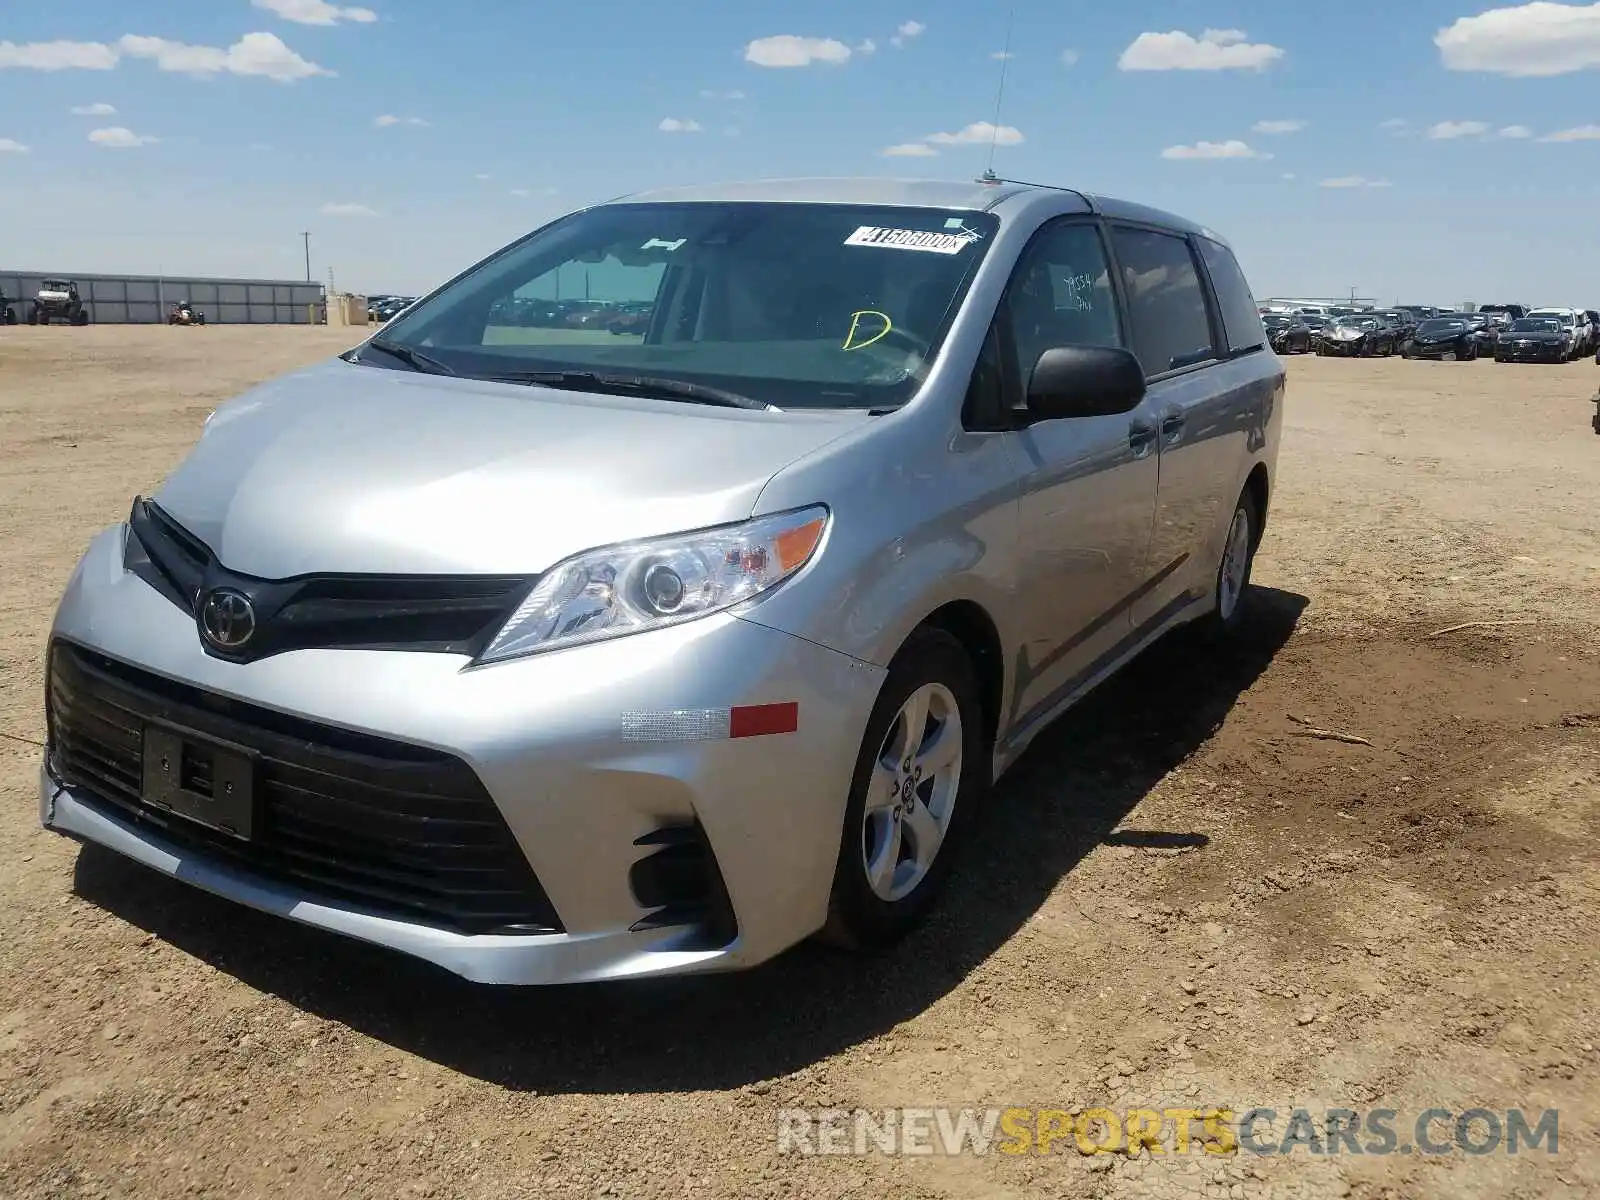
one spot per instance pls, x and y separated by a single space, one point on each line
227 619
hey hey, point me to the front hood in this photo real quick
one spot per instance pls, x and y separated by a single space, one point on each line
359 469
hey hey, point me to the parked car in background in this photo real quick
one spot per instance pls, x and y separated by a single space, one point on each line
1512 312
1591 319
1402 319
1450 338
1316 323
1570 327
581 658
631 317
1534 339
1357 336
1289 334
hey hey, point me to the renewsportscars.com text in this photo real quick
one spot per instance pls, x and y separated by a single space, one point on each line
1260 1131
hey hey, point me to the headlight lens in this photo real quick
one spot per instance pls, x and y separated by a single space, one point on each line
650 584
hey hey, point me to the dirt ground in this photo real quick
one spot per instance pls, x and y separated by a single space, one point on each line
1178 899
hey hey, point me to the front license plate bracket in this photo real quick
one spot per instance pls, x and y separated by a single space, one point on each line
205 781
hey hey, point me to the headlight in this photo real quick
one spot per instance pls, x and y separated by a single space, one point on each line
642 585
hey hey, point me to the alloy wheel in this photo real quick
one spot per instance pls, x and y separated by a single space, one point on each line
1235 563
912 793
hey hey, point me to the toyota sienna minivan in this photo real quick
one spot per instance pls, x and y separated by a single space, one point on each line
556 651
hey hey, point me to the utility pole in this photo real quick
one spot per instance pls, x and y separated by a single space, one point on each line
307 239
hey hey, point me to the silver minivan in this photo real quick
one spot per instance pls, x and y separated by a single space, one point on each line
667 588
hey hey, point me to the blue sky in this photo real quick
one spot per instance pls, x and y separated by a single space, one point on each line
240 123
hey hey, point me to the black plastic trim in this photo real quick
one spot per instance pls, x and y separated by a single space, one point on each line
398 828
450 614
682 885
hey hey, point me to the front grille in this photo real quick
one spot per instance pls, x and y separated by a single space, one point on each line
399 829
441 613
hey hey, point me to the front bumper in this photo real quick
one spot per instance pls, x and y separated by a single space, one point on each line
1532 352
1439 349
555 742
1343 349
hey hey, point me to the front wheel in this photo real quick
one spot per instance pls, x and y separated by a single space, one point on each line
920 770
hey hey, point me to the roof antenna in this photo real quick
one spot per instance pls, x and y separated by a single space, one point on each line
988 175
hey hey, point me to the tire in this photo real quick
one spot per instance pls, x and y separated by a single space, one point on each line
873 909
1405 351
1230 586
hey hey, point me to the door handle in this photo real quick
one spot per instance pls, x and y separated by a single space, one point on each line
1141 437
1172 423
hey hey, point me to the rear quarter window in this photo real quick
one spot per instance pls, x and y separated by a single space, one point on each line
1241 318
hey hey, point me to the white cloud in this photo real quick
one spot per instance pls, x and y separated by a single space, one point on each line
521 192
12 146
388 119
348 210
1213 50
258 146
1353 181
1527 40
1290 175
1001 55
867 47
1396 125
58 56
1228 149
675 125
93 110
709 94
979 133
1448 130
1069 58
261 54
1516 131
118 138
1277 127
910 150
789 50
1580 133
483 176
316 12
907 31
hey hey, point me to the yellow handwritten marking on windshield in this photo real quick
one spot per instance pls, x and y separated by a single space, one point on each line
850 342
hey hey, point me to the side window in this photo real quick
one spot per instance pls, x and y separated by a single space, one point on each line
1166 304
1060 295
1241 319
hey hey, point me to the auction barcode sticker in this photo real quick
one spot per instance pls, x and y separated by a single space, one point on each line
911 239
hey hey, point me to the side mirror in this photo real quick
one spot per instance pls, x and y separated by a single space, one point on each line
1084 381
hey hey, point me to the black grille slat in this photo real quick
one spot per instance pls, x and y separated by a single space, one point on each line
439 613
398 828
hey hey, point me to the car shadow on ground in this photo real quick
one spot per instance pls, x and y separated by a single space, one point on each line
1068 794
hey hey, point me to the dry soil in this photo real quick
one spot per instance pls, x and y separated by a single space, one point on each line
1178 900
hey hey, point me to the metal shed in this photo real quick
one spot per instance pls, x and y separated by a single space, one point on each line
146 299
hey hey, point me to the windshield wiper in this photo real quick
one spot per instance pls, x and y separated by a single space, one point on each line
415 359
646 385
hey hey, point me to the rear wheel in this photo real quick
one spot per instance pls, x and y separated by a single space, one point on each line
920 770
1230 586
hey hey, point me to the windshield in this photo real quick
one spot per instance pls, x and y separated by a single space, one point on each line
1277 322
796 305
1441 326
1355 322
1563 318
1536 325
53 285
